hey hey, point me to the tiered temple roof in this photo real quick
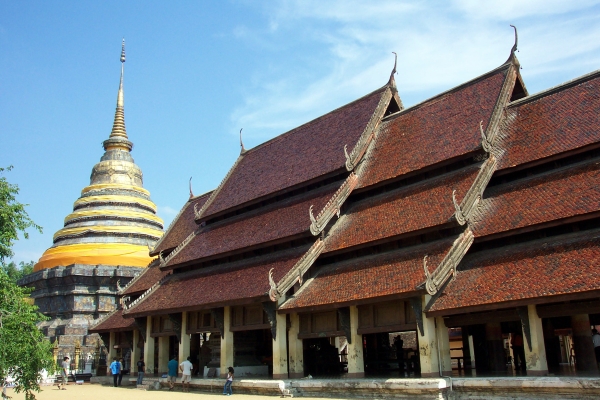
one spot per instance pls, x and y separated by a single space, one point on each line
435 198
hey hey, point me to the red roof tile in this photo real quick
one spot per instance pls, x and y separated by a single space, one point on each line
114 322
556 121
549 197
239 281
525 272
416 207
306 152
182 225
441 128
148 277
277 221
368 278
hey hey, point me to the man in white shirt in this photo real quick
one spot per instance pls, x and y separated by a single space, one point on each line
186 372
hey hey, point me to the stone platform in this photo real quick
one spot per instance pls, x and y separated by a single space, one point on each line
432 388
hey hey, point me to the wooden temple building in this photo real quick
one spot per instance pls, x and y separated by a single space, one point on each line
470 219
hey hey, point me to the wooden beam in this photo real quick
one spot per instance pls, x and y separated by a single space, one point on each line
568 309
456 321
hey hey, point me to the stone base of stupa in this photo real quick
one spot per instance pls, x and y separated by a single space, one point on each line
74 298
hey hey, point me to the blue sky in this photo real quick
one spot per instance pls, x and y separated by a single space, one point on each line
198 71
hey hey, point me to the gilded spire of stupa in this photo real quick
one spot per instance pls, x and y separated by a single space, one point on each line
114 221
118 135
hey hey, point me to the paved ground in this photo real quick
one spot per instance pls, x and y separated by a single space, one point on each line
98 392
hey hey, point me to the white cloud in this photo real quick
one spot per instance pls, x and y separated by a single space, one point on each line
439 45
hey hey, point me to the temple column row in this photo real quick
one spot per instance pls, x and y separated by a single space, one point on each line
434 345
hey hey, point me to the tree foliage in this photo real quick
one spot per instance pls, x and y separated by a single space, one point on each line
16 272
24 351
13 217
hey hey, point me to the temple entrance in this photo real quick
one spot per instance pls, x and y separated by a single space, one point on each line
391 354
253 352
322 358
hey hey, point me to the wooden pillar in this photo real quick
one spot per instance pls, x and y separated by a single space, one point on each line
356 363
280 361
163 354
443 340
135 351
149 347
226 343
497 355
112 352
184 346
428 350
582 343
535 359
296 351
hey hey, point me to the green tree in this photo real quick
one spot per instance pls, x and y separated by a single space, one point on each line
16 272
24 352
13 217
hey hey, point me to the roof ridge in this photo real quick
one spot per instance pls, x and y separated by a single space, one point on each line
281 135
562 86
451 90
200 213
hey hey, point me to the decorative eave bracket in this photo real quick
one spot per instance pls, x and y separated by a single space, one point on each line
436 279
368 134
295 274
333 206
464 210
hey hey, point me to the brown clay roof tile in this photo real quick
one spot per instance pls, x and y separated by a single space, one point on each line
556 121
182 225
148 277
279 220
245 280
410 209
436 130
114 322
304 153
550 197
368 278
523 272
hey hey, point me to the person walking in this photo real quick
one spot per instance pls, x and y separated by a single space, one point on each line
115 369
186 374
172 377
227 388
141 366
596 341
121 372
64 370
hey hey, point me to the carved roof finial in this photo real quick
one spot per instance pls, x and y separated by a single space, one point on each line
191 193
394 70
514 48
243 150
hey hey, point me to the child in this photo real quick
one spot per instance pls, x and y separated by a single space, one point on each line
227 387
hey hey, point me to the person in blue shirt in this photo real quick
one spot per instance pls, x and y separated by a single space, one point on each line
173 365
115 370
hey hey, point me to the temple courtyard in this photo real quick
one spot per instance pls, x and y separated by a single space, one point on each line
100 392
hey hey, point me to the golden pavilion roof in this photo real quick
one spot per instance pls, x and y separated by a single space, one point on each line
114 221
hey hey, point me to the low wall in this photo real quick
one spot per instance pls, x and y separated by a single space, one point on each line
534 388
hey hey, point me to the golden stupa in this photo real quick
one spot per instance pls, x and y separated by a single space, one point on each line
114 222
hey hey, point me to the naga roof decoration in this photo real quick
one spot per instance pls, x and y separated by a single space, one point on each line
114 221
333 206
296 272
